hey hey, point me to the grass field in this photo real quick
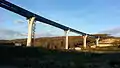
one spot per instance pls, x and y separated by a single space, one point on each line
36 57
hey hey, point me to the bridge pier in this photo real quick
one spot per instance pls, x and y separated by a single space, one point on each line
97 41
31 30
66 38
84 41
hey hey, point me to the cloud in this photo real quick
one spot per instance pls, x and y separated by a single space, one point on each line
44 34
8 34
113 31
19 21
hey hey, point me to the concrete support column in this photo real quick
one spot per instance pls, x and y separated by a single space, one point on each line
97 41
30 30
66 39
33 34
84 41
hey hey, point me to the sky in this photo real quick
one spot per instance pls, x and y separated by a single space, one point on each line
89 16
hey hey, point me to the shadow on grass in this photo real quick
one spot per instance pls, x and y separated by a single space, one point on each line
36 57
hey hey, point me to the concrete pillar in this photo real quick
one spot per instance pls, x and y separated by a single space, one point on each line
84 41
33 34
30 30
66 39
97 41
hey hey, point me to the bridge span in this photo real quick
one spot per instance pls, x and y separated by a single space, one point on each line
32 17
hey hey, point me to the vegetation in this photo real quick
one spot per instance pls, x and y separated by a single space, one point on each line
59 42
49 53
36 57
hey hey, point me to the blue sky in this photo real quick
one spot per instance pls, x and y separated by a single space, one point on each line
90 16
